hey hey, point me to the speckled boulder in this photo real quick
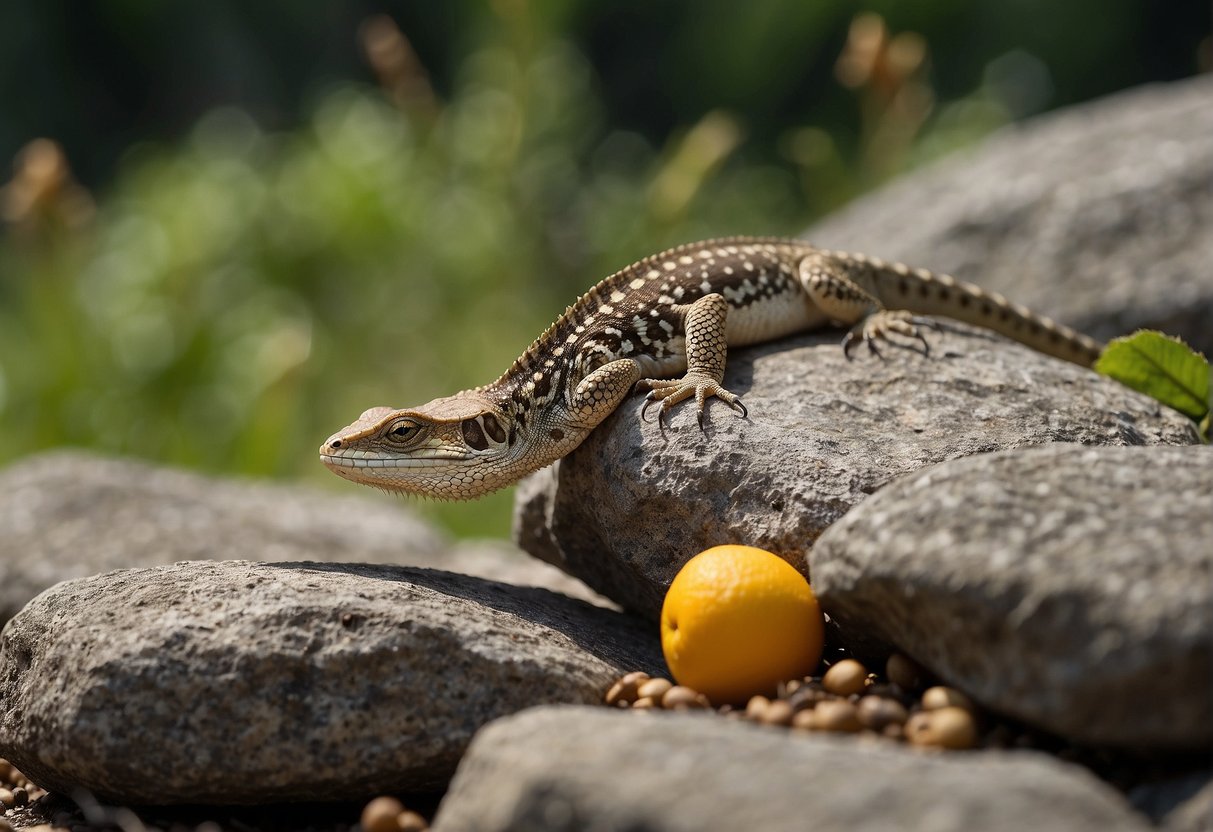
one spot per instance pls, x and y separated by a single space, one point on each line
1069 587
625 510
238 682
566 769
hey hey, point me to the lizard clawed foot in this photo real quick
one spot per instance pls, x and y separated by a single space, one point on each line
884 322
668 392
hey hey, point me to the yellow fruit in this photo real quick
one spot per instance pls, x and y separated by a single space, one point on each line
737 621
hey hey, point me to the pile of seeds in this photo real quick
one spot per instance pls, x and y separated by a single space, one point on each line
16 793
848 698
387 814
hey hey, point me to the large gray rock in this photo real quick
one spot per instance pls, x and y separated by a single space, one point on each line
237 682
67 515
1098 215
1069 587
625 510
567 769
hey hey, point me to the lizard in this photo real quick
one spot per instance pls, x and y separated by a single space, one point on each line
663 325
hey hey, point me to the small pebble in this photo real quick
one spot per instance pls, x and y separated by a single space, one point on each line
877 713
380 815
949 727
646 702
778 712
904 671
654 688
756 707
6 799
845 678
943 697
680 698
836 715
410 821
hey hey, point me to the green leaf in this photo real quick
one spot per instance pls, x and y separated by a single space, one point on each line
1160 366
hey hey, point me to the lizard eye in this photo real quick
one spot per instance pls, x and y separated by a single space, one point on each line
402 431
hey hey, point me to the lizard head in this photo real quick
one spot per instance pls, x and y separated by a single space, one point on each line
454 448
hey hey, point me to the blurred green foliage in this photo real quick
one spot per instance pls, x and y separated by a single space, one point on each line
235 296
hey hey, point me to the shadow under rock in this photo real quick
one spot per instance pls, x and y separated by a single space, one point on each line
615 637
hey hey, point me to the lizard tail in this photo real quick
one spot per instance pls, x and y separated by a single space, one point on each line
926 293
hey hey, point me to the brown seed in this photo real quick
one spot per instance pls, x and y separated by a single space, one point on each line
644 703
20 796
624 690
635 677
836 715
949 727
679 698
876 712
943 697
845 678
756 707
786 689
410 821
904 671
894 731
7 799
802 720
778 712
618 694
380 815
654 688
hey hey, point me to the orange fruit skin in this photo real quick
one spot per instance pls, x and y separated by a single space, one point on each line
738 620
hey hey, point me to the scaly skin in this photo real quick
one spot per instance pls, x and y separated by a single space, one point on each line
664 325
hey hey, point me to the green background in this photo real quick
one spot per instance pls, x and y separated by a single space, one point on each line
267 232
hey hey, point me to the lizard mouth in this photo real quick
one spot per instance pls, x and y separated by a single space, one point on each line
368 459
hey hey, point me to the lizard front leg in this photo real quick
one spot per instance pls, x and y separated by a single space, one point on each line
598 394
706 348
825 281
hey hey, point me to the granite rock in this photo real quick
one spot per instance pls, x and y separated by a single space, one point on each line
567 769
1069 587
1097 215
236 682
625 510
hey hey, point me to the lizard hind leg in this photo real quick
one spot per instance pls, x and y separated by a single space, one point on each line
707 349
879 324
826 282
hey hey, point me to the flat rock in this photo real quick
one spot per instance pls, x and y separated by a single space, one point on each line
68 514
1097 215
625 510
236 682
1069 587
566 769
